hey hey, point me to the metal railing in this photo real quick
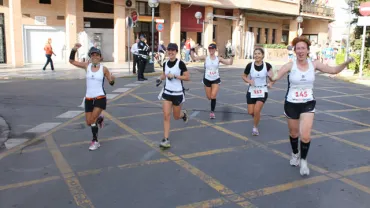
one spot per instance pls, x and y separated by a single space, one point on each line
316 9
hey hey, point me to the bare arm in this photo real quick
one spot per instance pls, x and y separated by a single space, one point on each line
184 77
275 75
72 60
108 76
247 80
197 58
226 61
331 69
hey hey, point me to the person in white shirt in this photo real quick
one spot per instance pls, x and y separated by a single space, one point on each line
211 77
299 107
95 99
172 94
256 75
135 53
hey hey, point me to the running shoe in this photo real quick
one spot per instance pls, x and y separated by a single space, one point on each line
304 168
94 145
185 118
255 132
165 143
212 115
294 160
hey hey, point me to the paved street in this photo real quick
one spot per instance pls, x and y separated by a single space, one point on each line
212 163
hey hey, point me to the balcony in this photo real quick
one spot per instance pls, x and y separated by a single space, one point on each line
317 10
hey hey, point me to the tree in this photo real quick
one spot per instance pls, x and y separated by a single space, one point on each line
356 41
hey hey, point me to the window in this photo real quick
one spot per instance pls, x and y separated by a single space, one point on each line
273 36
42 1
312 37
250 29
259 35
214 32
266 36
144 9
101 6
199 38
1 2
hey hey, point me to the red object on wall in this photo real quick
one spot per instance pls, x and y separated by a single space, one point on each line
188 20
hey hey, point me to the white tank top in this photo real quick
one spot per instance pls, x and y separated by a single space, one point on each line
211 68
260 81
174 86
300 84
94 82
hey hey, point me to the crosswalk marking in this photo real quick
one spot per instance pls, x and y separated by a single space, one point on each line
132 85
70 114
111 96
10 143
44 127
121 90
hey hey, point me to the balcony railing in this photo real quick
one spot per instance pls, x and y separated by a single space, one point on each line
316 9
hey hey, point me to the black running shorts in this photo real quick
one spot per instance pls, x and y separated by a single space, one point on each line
294 110
175 99
96 103
254 100
208 83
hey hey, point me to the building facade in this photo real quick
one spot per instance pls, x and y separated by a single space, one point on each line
25 25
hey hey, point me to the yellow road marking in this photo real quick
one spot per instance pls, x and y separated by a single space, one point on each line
347 119
174 130
206 204
100 140
356 185
285 187
37 139
70 178
343 93
29 183
316 168
341 103
46 134
215 151
354 171
340 96
283 141
195 171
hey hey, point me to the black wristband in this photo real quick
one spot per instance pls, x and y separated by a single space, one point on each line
72 55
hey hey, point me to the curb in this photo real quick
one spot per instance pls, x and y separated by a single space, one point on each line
4 130
157 73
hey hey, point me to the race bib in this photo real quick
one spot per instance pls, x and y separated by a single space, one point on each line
212 73
301 94
257 92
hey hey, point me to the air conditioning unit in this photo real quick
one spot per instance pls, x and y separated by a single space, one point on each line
129 3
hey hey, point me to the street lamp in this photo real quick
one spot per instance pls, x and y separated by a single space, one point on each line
299 20
153 4
198 15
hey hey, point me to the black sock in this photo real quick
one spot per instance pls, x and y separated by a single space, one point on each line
294 143
94 130
304 149
213 104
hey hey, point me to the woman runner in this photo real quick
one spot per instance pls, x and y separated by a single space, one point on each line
211 78
299 107
174 72
257 91
95 99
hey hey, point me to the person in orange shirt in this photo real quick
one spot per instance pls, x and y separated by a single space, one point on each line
49 52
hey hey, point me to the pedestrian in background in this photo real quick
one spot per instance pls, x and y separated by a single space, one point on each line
48 53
